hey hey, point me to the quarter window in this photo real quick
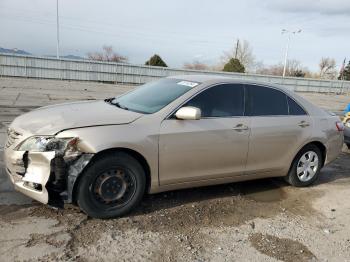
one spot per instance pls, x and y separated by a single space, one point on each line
220 101
294 108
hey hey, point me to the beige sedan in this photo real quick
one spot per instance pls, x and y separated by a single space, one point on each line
177 132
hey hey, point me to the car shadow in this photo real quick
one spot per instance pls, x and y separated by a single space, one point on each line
262 190
337 171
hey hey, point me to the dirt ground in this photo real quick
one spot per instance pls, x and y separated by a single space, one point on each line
263 220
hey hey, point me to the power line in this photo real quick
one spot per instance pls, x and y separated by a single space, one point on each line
123 27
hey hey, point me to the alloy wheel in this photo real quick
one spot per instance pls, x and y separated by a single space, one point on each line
307 166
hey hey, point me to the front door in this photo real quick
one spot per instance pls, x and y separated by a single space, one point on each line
215 146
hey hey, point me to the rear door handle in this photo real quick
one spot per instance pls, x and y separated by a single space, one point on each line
240 127
303 124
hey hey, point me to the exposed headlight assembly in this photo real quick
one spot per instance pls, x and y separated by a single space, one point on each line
48 143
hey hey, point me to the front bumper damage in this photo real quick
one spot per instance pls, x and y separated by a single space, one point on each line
47 177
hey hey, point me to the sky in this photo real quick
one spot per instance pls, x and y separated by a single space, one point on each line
180 31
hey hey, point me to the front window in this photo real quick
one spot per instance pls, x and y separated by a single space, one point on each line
224 100
153 96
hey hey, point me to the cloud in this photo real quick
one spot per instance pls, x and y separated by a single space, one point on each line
325 7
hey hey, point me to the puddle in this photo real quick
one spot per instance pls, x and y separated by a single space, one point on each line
263 191
283 249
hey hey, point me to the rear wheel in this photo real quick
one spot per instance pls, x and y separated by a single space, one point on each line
306 167
112 186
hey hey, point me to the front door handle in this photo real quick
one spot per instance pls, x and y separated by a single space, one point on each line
240 127
303 124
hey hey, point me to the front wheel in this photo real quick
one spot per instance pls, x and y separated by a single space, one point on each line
306 167
112 186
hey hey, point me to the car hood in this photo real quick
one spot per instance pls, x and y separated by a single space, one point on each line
50 120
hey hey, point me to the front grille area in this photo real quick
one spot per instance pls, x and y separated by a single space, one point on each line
12 137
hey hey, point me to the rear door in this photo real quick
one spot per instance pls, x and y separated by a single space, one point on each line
279 126
215 146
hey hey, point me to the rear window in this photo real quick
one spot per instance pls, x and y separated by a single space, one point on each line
264 101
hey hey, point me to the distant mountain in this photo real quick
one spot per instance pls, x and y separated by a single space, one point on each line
22 52
14 51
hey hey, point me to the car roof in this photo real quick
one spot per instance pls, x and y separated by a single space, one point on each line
216 79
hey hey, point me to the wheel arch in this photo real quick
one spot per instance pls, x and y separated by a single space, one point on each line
139 157
316 143
322 148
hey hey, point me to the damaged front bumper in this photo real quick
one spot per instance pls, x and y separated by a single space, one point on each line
47 177
31 182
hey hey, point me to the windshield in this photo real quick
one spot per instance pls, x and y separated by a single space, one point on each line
153 96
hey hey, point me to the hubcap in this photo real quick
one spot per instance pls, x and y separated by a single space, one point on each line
307 166
114 187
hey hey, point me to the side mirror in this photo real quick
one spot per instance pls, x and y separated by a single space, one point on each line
188 113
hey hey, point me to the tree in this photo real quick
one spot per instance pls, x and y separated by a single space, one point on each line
241 51
108 55
234 65
196 65
293 68
299 73
327 68
156 60
346 72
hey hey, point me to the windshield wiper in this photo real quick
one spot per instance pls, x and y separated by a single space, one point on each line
110 101
120 106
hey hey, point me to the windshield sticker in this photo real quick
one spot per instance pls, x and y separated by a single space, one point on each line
187 83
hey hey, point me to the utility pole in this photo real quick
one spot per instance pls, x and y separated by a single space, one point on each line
237 46
58 33
284 31
286 57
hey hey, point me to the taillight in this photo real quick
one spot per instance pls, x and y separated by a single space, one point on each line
340 126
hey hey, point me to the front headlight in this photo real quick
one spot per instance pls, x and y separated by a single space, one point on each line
46 143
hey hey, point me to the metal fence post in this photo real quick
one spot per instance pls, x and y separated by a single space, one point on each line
1 73
25 66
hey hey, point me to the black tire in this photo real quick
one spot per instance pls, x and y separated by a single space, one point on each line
111 186
293 178
348 145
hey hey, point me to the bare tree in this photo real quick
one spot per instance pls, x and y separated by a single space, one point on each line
275 70
243 52
294 69
108 55
196 65
327 68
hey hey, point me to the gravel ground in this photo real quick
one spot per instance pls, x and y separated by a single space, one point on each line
263 220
